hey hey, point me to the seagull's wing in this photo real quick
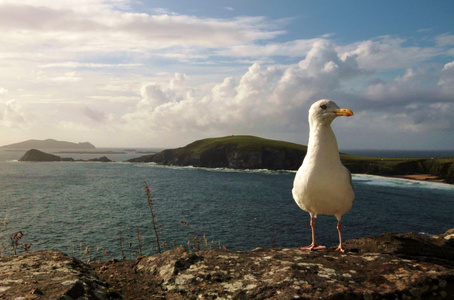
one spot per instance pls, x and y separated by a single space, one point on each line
351 181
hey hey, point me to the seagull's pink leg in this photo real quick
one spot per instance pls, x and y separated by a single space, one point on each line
314 245
340 248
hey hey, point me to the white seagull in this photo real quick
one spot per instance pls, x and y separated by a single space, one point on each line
322 184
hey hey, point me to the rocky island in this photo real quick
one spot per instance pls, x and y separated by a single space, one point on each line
39 156
389 266
249 152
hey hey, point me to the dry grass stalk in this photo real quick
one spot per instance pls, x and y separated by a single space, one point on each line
15 239
139 240
123 257
153 216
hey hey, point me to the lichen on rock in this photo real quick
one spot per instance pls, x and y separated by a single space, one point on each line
389 266
48 275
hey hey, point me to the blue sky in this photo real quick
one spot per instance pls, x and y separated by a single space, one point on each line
164 73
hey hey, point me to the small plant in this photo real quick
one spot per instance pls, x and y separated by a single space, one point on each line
199 243
87 252
103 250
130 250
84 252
139 240
3 249
123 257
153 217
15 239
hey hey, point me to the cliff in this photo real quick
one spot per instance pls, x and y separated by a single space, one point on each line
389 266
48 144
249 152
236 152
443 168
39 156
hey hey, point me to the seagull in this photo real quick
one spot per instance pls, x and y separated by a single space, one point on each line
322 184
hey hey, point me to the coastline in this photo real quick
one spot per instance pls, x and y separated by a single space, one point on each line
418 177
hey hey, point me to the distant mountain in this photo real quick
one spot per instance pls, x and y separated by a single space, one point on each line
48 144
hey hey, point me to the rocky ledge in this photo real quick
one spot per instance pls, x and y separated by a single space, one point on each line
48 275
389 266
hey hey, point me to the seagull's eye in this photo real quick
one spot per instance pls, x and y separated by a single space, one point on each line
323 106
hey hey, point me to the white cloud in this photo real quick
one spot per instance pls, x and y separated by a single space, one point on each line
67 77
85 63
385 53
446 81
445 39
262 97
295 48
448 66
153 96
11 115
99 28
94 115
73 64
277 98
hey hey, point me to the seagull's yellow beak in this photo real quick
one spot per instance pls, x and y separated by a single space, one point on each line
344 112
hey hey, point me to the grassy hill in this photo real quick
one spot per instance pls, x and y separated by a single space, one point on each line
242 143
236 152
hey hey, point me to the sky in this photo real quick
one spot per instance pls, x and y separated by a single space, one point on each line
129 73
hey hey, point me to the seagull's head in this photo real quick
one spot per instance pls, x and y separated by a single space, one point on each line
325 111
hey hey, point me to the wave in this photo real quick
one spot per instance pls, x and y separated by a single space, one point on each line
366 179
221 170
399 182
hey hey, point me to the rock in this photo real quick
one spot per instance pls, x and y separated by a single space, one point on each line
100 159
36 155
389 266
438 249
48 275
39 156
370 270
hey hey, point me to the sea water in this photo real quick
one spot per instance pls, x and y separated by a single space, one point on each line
69 206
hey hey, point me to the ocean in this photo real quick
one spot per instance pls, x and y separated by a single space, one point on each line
95 210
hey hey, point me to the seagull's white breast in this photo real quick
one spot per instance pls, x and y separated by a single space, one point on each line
322 184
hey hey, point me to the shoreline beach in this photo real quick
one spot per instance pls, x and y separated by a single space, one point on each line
419 177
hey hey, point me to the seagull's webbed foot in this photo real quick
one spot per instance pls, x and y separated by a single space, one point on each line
313 247
340 249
